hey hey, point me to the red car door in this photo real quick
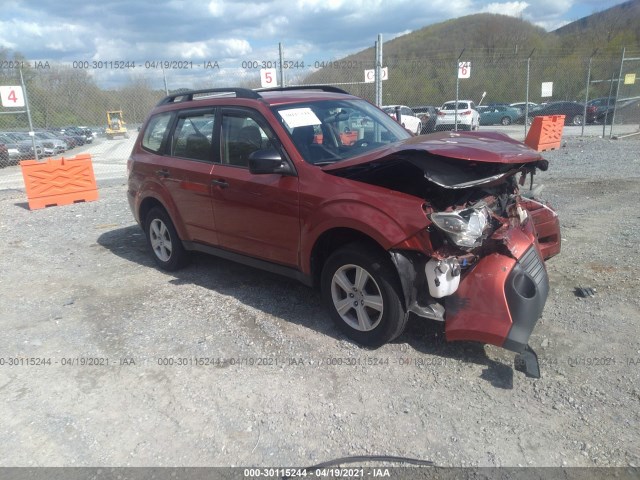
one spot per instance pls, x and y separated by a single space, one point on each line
256 215
185 171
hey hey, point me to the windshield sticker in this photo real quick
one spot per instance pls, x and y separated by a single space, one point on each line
299 117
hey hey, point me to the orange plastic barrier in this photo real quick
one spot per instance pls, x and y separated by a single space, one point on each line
545 132
59 181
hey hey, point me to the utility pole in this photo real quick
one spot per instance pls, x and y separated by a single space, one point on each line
526 104
586 95
281 53
455 122
26 104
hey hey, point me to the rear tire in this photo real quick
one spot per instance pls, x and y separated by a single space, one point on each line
360 287
577 120
163 240
505 121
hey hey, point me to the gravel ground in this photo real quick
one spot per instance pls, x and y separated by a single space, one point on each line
78 289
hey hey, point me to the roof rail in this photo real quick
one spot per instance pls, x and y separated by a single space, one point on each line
187 95
324 88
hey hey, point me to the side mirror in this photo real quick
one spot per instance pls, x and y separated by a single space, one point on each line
268 161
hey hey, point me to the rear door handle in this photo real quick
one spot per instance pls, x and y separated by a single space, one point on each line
220 183
164 173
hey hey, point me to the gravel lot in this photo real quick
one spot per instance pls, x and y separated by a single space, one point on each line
78 288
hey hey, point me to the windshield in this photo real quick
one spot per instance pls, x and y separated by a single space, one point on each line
329 131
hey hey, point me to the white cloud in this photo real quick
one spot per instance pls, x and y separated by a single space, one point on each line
113 49
319 5
188 50
552 7
513 9
272 27
216 8
551 25
216 49
361 8
59 37
233 47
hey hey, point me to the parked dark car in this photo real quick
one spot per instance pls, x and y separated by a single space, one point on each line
85 134
25 143
72 141
628 111
79 138
4 155
604 108
385 223
495 104
427 115
573 112
15 150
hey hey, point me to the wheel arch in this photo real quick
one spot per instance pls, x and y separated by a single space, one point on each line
333 239
152 201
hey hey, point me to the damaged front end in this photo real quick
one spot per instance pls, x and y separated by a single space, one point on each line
478 265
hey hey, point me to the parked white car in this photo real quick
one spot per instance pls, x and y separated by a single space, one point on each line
408 118
468 116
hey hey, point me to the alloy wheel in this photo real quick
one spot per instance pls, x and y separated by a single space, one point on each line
160 239
357 297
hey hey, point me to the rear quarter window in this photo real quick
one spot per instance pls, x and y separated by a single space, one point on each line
155 132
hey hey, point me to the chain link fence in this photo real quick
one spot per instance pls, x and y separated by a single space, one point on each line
61 96
625 114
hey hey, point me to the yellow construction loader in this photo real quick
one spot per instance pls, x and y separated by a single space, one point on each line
115 125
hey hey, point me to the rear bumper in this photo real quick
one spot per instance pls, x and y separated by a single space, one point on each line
499 301
450 124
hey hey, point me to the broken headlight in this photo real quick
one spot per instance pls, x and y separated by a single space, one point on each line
466 228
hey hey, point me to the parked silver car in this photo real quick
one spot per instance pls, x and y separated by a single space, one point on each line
51 144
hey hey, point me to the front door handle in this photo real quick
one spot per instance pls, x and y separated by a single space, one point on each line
220 183
164 173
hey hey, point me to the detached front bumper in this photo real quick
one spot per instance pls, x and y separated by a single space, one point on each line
499 302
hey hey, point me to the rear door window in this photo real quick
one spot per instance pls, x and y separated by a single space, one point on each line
193 135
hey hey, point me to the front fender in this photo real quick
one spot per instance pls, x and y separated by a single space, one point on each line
350 214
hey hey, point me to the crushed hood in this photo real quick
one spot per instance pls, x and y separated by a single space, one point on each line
451 160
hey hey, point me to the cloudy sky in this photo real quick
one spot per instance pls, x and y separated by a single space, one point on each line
234 31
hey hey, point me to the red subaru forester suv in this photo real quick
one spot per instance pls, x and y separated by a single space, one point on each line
322 186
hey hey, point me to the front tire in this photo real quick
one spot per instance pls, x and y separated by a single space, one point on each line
505 121
577 120
360 287
163 240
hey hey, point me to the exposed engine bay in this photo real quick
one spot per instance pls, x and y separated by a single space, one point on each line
445 183
466 200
